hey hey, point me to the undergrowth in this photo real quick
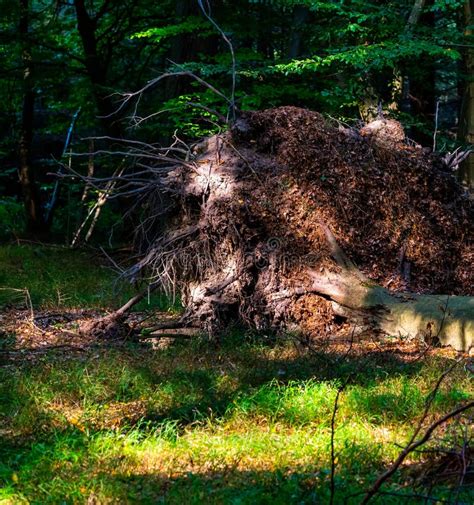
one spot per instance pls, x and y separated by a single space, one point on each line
238 423
58 277
246 420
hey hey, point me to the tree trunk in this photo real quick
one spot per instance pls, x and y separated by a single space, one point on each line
466 127
186 46
444 319
417 9
180 47
448 320
26 173
300 17
415 15
97 68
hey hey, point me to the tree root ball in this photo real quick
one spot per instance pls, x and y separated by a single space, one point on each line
251 220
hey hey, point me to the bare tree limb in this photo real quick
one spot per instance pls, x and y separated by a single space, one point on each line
51 204
127 97
413 444
340 389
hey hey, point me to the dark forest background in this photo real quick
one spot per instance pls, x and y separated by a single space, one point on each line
64 65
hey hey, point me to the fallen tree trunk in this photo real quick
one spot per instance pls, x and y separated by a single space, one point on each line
249 238
444 319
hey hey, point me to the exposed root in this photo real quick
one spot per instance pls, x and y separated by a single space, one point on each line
263 213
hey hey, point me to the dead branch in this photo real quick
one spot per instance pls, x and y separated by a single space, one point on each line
454 159
95 210
411 447
340 389
414 444
208 109
90 171
54 196
130 96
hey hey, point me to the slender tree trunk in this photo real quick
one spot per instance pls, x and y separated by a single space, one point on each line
300 17
26 172
180 47
417 9
415 14
466 127
186 46
264 43
97 67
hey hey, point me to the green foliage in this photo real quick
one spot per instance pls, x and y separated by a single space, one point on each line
189 119
12 218
335 57
189 25
370 57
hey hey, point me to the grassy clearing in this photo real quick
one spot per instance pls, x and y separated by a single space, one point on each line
57 277
238 422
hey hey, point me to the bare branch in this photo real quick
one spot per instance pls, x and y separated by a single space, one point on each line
413 444
333 431
127 97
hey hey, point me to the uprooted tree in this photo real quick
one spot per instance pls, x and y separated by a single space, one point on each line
262 221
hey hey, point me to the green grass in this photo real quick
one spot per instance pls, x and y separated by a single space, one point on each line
193 424
233 422
56 277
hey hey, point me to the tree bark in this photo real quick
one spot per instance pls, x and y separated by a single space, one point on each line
417 9
300 17
26 173
415 15
444 319
97 67
186 46
466 127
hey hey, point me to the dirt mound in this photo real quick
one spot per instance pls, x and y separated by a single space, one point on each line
253 207
392 207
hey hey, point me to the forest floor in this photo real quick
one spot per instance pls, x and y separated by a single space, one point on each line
246 420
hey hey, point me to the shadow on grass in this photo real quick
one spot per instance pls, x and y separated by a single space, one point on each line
194 381
187 383
62 473
266 487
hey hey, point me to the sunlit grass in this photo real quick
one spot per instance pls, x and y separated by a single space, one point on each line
188 424
246 420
